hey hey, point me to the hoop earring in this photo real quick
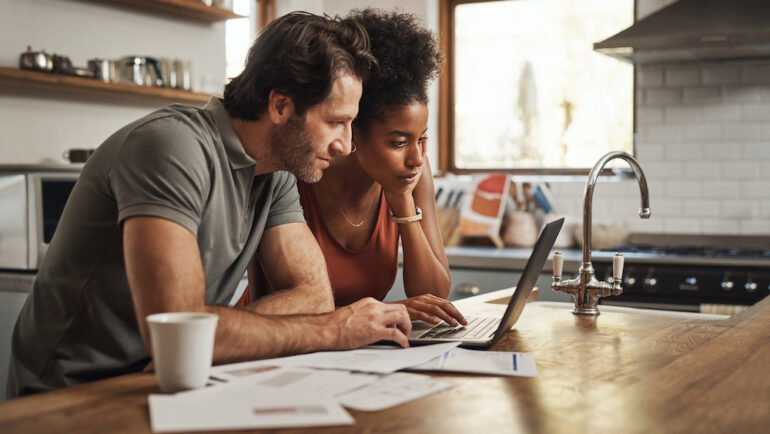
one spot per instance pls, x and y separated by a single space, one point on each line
354 147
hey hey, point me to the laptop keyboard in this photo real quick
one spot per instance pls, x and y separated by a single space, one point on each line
477 328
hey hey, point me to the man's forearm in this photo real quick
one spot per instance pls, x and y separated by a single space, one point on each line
301 300
244 335
247 336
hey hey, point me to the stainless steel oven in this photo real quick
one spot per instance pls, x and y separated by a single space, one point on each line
32 198
692 273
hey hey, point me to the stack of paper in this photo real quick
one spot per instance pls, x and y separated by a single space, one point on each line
311 389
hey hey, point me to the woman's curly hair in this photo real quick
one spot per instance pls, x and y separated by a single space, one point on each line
408 56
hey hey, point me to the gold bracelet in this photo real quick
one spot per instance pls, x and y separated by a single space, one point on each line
410 219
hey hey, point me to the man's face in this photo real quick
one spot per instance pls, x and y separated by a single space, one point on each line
305 146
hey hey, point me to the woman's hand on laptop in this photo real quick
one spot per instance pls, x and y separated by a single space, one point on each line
432 309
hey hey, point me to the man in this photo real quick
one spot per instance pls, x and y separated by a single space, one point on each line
170 209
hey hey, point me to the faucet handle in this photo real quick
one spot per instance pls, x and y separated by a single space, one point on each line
617 267
558 264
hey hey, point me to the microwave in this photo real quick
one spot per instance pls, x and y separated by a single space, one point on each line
32 198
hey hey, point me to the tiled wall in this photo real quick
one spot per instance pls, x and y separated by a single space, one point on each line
703 140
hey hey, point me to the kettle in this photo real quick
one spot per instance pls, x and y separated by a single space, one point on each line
139 70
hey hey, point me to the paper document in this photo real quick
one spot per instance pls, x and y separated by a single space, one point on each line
482 362
243 405
327 382
391 390
377 360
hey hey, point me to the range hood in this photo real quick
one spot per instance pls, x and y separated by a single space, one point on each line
694 30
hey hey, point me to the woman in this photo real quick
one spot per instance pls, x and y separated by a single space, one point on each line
383 190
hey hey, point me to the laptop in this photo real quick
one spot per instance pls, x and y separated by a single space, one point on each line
483 332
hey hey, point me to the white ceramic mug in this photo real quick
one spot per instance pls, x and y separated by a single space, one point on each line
182 348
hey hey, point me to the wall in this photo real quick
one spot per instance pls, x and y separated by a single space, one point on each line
703 140
426 10
37 126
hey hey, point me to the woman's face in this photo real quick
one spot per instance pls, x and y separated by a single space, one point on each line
392 152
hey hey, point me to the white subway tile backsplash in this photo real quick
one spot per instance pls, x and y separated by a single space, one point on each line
720 226
702 132
683 189
652 225
721 189
755 189
682 152
764 92
740 170
648 77
764 209
701 94
669 133
567 189
681 225
682 77
756 112
662 207
663 96
720 151
742 94
648 153
683 114
649 115
700 208
701 170
624 207
720 112
756 73
757 151
764 132
741 209
703 139
722 75
741 132
615 189
663 170
755 227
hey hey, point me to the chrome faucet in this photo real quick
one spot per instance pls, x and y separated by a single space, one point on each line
585 288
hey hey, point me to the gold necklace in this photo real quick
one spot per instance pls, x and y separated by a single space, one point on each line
358 225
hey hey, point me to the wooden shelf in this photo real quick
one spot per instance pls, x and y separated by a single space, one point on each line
191 9
115 92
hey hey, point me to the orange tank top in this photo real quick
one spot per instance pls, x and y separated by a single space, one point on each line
368 272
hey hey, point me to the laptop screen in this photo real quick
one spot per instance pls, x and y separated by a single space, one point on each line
529 276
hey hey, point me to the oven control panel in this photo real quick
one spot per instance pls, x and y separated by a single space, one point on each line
689 285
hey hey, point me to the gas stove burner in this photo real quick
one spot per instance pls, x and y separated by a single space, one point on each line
708 252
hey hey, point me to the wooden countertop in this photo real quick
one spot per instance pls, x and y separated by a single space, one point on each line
618 372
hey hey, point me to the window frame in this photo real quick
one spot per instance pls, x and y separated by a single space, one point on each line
446 154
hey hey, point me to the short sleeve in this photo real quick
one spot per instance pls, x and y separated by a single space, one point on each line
162 171
285 207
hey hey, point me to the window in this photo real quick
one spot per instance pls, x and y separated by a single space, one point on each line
241 32
239 35
526 92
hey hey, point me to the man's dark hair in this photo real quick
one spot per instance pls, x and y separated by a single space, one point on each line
408 58
299 55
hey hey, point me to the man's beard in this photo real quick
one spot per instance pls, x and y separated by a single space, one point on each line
293 148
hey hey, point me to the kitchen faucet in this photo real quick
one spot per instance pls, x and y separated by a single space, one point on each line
585 288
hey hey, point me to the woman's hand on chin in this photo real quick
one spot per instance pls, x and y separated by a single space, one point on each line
432 309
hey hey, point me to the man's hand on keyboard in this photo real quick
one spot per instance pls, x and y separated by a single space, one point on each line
432 310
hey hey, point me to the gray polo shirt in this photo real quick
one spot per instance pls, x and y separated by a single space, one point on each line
181 163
